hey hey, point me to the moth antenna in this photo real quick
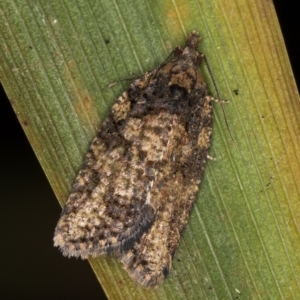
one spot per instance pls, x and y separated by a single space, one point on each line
218 95
116 82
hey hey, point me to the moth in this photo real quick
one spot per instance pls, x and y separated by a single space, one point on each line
134 192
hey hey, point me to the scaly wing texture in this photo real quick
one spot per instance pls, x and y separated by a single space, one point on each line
140 177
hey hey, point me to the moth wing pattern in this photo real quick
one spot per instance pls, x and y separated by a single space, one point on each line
140 178
107 208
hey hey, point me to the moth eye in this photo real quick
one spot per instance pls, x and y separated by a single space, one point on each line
177 52
199 59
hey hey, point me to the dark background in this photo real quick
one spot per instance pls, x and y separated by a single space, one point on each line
30 267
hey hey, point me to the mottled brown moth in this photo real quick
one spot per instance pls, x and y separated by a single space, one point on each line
135 190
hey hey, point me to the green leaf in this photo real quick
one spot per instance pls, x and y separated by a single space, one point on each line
242 240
